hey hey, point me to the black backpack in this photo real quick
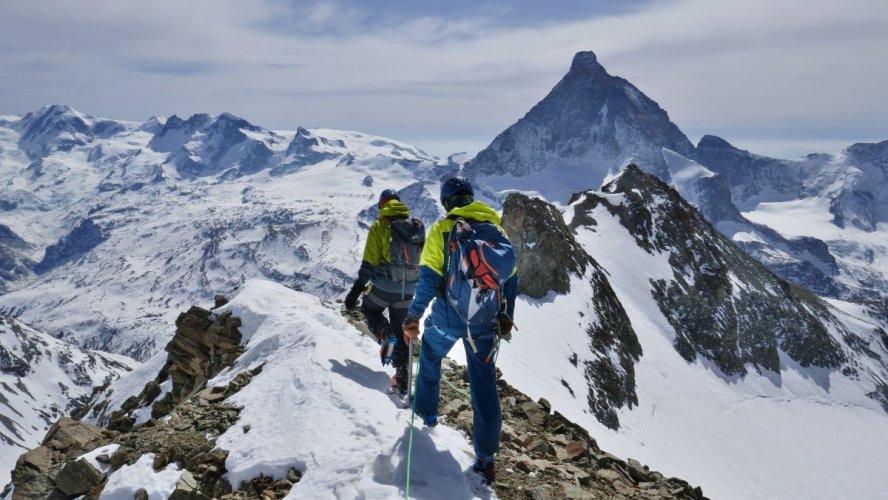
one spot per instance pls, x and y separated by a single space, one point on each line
405 249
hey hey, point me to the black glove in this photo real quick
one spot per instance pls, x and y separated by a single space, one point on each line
410 327
351 300
504 326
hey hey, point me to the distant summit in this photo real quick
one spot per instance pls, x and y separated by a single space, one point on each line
591 124
58 127
585 61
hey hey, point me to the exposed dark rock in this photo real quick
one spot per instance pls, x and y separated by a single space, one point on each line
36 471
187 488
219 301
68 433
546 252
14 266
202 346
76 478
547 255
32 473
265 487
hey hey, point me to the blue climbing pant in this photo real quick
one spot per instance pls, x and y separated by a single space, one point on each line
487 417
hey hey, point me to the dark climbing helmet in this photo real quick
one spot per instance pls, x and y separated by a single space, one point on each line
456 192
388 194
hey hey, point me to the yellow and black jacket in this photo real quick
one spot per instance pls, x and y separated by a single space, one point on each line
375 266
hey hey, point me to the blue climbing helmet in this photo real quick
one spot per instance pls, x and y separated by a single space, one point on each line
388 194
456 192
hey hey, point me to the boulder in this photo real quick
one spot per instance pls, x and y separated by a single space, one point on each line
69 433
546 251
31 477
187 488
76 478
534 413
219 301
640 473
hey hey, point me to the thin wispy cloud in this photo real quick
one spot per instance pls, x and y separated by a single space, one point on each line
749 71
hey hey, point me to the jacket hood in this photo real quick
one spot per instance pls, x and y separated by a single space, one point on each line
476 210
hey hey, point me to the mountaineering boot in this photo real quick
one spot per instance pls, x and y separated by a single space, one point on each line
486 467
429 420
399 381
387 342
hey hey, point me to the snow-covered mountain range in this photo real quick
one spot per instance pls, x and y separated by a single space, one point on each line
669 343
124 231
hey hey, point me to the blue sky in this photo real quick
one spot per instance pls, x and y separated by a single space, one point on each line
778 77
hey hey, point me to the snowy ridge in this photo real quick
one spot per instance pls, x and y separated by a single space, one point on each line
115 226
42 379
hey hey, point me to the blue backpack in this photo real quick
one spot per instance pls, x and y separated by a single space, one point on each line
479 261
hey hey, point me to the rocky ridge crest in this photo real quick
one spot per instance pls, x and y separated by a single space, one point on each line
725 306
548 255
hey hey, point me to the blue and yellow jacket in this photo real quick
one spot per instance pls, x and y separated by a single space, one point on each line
375 266
431 269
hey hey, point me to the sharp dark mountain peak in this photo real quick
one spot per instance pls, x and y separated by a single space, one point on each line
585 129
585 61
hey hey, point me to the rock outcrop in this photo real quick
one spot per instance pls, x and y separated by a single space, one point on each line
203 345
725 306
51 470
546 251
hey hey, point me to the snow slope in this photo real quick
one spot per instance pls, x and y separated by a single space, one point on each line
838 202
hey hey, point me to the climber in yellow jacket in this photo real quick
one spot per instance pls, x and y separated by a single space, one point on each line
387 278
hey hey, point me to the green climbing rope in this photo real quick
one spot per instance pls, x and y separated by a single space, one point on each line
455 388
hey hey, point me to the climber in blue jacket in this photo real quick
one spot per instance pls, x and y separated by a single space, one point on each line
445 325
